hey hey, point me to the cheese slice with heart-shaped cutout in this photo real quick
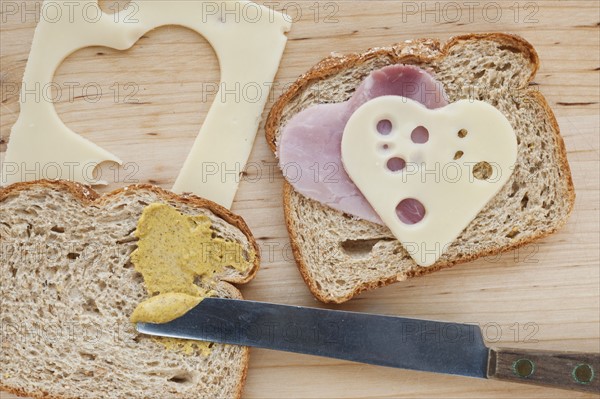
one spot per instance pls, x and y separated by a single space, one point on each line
428 173
248 39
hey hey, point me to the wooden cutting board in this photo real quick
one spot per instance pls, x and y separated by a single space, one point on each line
153 100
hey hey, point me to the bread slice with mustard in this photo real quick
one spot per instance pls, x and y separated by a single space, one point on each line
69 288
340 255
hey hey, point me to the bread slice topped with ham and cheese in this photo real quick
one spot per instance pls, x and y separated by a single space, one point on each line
340 240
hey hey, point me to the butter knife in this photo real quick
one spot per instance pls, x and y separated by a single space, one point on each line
424 345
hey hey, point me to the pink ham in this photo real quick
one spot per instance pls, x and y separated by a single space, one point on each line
310 143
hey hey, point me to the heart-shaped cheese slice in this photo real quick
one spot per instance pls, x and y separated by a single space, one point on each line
428 173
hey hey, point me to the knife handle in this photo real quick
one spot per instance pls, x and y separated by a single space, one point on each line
565 370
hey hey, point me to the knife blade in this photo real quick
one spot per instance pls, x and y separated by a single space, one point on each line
393 341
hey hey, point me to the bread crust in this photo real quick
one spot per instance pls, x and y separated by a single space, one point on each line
89 196
336 63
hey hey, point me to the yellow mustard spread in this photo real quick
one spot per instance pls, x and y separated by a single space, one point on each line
176 252
164 307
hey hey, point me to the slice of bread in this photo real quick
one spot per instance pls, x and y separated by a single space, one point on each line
340 256
68 290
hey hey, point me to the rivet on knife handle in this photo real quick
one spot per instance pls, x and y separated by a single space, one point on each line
566 370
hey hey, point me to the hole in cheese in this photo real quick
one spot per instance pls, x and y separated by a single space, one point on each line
482 170
419 135
126 95
385 148
384 126
410 211
396 164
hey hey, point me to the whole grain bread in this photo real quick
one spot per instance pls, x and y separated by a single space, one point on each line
68 290
340 256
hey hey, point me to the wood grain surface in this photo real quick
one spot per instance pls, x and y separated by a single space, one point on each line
154 98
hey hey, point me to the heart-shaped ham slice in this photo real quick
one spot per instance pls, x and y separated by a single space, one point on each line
310 143
428 173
